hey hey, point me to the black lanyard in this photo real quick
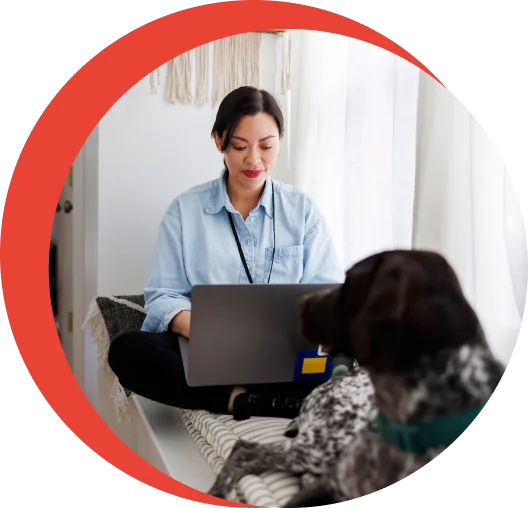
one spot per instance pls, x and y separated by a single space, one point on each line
242 257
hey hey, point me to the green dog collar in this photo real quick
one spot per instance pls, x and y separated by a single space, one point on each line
422 437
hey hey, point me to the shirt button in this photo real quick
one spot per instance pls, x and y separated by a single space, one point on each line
249 267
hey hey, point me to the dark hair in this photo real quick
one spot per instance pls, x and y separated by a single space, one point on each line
243 101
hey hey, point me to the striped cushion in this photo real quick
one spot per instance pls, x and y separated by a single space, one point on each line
215 436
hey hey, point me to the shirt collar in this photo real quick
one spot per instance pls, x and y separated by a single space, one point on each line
219 198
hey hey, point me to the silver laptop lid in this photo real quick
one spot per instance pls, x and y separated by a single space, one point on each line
245 334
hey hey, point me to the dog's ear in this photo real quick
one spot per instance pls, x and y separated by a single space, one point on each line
352 297
380 316
358 283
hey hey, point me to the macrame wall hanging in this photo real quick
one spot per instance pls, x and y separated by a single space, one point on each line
206 74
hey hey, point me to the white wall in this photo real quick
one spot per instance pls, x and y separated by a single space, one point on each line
89 259
151 150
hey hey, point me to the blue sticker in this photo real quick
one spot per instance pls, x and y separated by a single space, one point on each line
311 366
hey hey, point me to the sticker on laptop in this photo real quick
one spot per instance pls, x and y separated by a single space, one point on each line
310 365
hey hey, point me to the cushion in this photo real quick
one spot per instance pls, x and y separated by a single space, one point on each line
108 317
122 313
214 435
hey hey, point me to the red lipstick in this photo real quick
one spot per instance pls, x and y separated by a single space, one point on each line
252 174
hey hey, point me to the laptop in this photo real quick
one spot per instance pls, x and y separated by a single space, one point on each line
246 334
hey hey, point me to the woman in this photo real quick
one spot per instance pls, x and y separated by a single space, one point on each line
243 227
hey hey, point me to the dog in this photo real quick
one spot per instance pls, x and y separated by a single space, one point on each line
426 370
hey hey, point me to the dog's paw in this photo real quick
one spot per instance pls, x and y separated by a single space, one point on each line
241 444
218 492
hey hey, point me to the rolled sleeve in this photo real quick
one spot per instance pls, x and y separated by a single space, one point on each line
167 290
321 263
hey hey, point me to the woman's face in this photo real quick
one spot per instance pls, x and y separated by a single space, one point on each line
253 150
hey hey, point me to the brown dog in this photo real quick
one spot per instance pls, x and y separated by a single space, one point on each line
425 372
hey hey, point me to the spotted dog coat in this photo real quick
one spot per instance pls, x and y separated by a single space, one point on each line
328 422
329 419
403 316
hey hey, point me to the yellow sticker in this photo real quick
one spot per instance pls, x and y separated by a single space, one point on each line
314 365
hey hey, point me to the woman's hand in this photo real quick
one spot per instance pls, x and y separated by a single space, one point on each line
181 323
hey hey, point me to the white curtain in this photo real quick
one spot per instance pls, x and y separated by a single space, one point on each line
465 207
394 161
352 142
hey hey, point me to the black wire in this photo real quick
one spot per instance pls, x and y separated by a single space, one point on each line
273 219
242 257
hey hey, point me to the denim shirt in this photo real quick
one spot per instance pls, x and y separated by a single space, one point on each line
196 245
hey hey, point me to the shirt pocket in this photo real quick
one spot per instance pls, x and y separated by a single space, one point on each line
287 264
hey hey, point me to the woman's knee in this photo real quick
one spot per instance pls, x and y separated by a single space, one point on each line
121 351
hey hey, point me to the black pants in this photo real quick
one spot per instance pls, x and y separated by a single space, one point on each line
150 365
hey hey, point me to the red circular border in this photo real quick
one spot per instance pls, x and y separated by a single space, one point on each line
43 167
